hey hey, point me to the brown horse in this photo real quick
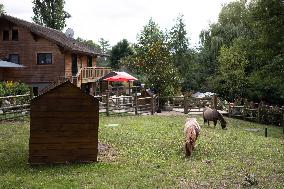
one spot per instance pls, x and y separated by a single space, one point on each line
213 115
191 130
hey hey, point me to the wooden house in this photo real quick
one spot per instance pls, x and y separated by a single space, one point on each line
64 126
48 55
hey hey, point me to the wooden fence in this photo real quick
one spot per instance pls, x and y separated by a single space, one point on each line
13 107
151 104
127 104
188 104
258 113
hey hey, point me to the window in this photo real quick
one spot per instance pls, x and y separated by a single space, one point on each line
15 35
14 58
5 35
90 61
44 58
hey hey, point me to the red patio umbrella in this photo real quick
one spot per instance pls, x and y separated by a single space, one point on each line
121 77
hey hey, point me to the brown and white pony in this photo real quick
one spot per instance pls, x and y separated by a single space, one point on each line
213 115
191 130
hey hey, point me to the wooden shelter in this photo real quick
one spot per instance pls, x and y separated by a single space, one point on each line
64 126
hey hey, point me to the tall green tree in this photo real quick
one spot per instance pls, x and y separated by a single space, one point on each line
2 10
232 23
153 61
105 46
103 59
267 54
182 54
267 23
50 13
244 51
179 42
232 78
121 50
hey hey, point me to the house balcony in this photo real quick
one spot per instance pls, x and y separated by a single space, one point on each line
92 74
89 75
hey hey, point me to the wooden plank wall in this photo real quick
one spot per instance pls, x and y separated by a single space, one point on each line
64 126
27 47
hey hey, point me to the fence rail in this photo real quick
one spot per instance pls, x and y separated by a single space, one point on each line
259 113
13 107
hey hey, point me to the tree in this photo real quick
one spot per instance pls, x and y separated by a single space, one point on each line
182 55
267 23
152 60
244 51
120 50
50 13
232 66
104 44
90 43
2 11
103 59
179 41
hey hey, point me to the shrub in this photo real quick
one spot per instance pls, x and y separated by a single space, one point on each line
13 88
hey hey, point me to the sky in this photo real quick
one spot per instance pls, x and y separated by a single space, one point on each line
115 20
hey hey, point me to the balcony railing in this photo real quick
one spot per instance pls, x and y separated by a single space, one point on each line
90 74
85 75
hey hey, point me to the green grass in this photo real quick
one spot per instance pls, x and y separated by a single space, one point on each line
147 152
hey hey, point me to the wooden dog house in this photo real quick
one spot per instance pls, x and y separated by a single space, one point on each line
64 126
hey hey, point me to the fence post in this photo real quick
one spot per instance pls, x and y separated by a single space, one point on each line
244 111
283 121
136 103
31 93
107 103
258 115
229 109
152 105
215 101
185 102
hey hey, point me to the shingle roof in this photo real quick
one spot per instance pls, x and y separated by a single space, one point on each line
56 36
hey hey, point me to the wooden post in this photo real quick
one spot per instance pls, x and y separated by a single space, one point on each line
244 111
185 103
107 102
31 93
136 103
266 132
129 90
229 109
283 121
215 101
258 114
152 105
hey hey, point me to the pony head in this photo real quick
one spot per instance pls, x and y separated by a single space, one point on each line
188 148
223 124
222 120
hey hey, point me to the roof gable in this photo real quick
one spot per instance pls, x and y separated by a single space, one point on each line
72 89
53 35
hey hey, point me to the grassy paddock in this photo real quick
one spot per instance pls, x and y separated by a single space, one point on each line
147 153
